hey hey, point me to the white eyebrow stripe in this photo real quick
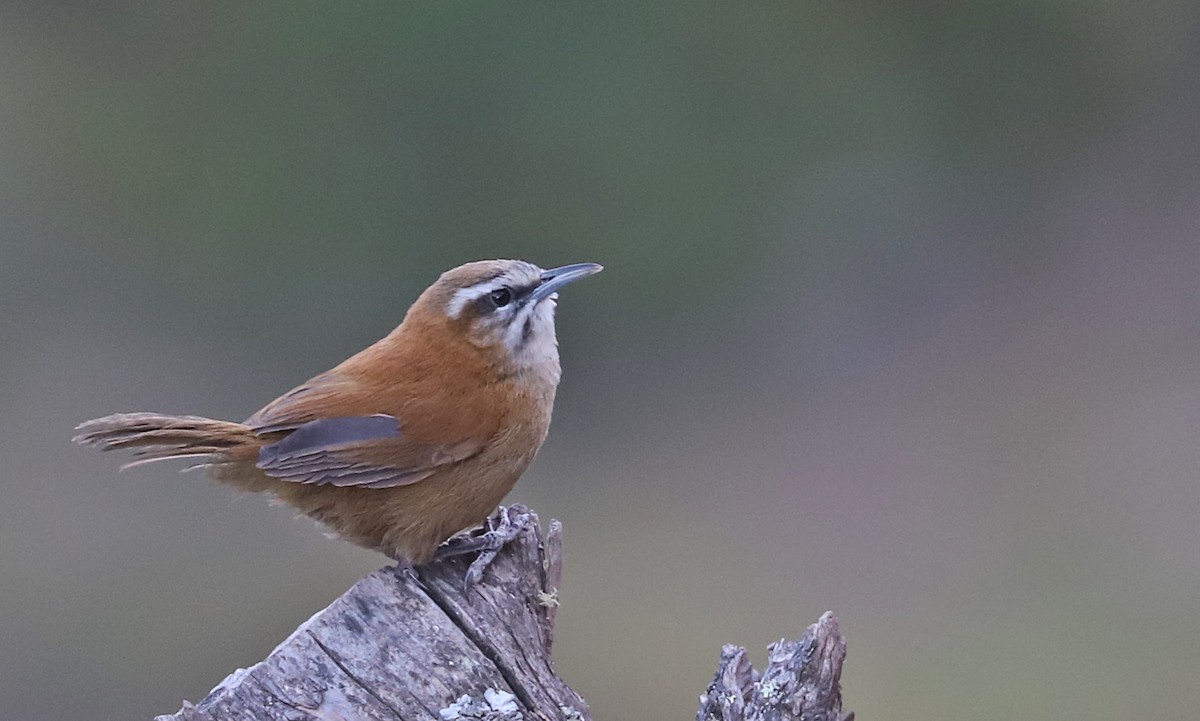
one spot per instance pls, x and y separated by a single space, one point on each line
472 293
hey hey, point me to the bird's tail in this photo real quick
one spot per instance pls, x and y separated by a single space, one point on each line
156 437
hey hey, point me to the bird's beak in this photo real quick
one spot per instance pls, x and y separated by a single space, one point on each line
556 278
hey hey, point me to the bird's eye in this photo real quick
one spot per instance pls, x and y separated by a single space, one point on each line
501 297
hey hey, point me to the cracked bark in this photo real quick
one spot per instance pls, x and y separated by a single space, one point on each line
802 680
400 646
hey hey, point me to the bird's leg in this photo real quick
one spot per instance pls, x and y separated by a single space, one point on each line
404 567
500 528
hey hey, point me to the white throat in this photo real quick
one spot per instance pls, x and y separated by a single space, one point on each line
531 342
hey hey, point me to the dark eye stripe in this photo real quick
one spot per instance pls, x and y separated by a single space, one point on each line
503 297
522 292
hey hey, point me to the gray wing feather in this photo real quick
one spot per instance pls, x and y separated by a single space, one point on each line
315 453
329 433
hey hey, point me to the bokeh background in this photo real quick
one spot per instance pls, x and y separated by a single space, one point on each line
900 319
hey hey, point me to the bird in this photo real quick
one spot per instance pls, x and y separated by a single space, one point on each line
409 441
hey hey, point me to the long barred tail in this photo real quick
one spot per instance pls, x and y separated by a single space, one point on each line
156 437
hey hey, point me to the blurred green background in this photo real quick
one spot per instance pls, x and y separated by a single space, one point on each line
901 319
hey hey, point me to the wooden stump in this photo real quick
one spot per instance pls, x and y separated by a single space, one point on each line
400 645
802 681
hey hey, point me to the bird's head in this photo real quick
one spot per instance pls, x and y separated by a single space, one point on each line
506 306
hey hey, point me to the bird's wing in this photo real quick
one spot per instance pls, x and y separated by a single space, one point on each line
362 451
308 402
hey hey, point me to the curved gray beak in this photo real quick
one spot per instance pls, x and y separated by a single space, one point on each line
556 278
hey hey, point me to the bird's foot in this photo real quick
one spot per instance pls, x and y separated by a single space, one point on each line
501 527
404 567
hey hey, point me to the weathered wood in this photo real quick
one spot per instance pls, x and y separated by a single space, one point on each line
402 646
802 681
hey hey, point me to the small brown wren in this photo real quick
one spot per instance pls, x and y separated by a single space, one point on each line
407 442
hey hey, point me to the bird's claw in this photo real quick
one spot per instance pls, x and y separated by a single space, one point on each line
404 568
501 527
